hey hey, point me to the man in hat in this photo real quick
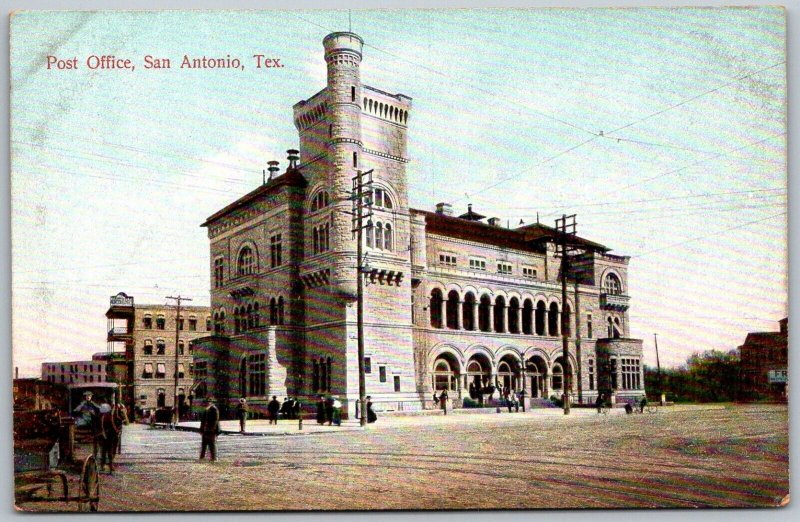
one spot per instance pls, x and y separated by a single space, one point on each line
273 408
209 429
241 413
89 416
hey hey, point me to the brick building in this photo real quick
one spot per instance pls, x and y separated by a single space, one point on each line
74 372
141 350
764 364
450 302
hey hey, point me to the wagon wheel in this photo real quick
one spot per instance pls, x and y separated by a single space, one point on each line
57 486
89 492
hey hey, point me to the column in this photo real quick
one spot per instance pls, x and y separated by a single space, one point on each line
459 318
519 319
491 317
444 314
475 325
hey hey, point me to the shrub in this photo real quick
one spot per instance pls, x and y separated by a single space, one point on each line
471 403
555 400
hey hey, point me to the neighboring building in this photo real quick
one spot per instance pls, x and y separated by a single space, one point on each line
38 394
450 302
72 372
764 364
141 354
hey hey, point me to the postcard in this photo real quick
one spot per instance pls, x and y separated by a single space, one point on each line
399 259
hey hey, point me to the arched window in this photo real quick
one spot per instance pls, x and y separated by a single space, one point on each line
513 315
246 261
468 312
552 320
436 308
250 322
387 237
558 377
484 309
527 317
567 319
379 235
370 236
500 314
452 309
541 317
617 328
320 201
273 311
612 285
256 316
280 310
381 199
222 322
243 377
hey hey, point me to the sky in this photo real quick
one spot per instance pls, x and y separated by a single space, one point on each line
662 129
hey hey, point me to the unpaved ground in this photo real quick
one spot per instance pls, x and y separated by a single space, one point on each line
734 456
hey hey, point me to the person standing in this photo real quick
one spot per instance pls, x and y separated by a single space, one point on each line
329 410
321 410
599 402
642 403
209 429
435 399
337 411
286 408
296 406
522 399
273 407
443 400
241 414
371 416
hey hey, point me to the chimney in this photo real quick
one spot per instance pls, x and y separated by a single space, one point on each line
294 155
495 222
445 209
273 168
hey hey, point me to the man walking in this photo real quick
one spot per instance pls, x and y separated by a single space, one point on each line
209 429
443 400
273 407
241 414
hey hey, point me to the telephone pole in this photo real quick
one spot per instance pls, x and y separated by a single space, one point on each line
658 365
178 300
362 198
567 227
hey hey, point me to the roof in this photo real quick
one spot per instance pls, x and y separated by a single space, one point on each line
531 237
290 178
763 338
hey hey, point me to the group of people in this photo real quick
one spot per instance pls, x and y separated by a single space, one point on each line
441 400
290 409
601 401
514 399
105 422
329 409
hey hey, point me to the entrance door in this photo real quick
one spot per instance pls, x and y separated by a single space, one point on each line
162 399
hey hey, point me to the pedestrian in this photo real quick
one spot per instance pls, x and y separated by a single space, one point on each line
435 400
599 402
522 399
273 407
296 406
286 408
321 410
209 429
337 411
642 403
628 408
241 413
443 401
329 410
516 401
371 417
122 414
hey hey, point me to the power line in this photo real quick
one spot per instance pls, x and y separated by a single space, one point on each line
717 233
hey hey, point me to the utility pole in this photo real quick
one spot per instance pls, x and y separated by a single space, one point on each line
566 226
361 197
178 299
577 314
658 365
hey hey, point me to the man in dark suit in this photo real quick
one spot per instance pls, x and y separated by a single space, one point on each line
209 429
273 407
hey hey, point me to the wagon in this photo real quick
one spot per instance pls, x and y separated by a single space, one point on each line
54 486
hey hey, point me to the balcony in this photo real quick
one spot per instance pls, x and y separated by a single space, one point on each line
118 331
614 302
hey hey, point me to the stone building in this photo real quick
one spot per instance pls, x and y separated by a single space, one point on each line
142 337
450 302
764 364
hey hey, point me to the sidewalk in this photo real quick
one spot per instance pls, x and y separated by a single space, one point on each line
262 427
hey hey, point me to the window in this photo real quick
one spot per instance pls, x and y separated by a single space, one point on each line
367 365
322 234
370 237
257 374
320 201
612 285
352 93
631 375
355 160
382 373
589 326
447 259
192 324
275 251
381 199
436 308
181 371
148 347
503 268
218 272
161 370
590 371
477 264
160 322
208 324
528 272
147 322
180 347
246 263
160 347
180 323
387 237
397 383
147 373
